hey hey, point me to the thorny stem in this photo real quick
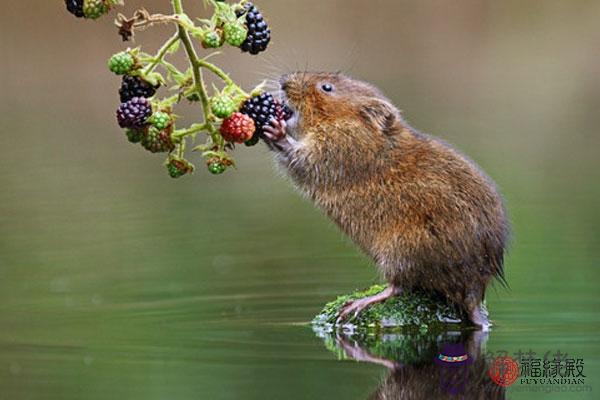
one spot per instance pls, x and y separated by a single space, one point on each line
192 130
199 85
160 55
216 70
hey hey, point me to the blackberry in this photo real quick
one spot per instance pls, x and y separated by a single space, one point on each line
283 111
134 86
75 7
259 34
134 113
261 109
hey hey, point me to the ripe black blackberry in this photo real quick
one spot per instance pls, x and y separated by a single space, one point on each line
75 7
134 86
261 109
134 113
259 34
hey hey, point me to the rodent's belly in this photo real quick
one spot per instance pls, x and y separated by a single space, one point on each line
365 219
410 227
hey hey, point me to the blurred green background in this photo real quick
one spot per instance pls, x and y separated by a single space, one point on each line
119 282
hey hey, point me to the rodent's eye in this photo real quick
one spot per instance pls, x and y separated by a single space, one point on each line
327 87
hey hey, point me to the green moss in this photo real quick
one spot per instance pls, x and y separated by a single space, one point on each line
414 311
407 328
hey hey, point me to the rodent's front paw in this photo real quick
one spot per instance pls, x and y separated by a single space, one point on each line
275 131
275 136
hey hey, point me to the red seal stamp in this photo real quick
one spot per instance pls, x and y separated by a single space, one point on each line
504 371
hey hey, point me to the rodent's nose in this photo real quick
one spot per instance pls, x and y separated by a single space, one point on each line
284 82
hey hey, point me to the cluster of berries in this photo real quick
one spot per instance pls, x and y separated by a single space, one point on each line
232 116
246 29
136 114
247 124
91 9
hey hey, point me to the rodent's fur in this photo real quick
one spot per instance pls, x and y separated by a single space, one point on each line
426 214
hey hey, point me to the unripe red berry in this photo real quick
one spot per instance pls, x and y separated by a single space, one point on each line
238 128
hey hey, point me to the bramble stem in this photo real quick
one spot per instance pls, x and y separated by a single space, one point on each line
199 85
193 58
193 129
195 64
160 55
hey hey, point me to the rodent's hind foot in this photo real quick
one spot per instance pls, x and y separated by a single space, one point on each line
356 306
479 317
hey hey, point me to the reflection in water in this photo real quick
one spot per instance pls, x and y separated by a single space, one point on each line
415 369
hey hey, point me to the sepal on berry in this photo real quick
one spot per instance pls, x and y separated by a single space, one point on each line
178 167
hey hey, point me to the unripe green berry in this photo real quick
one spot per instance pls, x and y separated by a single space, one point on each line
135 135
94 9
212 40
157 141
160 120
178 167
222 106
121 63
235 33
216 168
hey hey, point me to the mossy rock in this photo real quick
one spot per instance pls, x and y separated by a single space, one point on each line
414 311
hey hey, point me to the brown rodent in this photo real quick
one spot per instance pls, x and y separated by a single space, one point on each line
426 214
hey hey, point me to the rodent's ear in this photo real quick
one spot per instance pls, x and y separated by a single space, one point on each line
382 115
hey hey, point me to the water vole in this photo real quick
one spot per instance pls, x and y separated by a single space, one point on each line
427 215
